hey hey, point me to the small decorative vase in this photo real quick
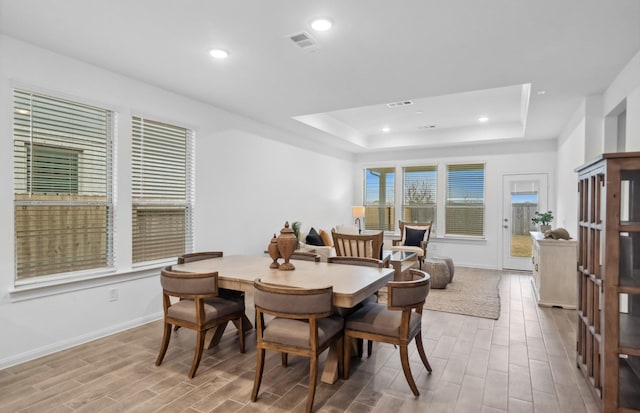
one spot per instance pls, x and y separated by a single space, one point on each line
274 253
544 228
286 245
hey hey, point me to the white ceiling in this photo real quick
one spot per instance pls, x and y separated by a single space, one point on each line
455 60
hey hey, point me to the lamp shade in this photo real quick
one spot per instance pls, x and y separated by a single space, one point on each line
357 211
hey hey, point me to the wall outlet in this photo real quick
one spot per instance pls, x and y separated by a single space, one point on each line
113 294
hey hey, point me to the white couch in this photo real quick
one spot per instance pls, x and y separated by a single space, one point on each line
325 251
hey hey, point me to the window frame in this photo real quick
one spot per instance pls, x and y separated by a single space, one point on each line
163 202
72 125
448 207
408 207
373 209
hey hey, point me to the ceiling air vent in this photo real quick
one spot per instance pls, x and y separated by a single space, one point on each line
303 40
402 103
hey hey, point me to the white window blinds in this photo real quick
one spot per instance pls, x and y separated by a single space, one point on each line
419 198
464 208
62 185
162 180
379 199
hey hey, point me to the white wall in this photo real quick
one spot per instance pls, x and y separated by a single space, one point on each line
582 140
247 185
626 88
571 154
500 159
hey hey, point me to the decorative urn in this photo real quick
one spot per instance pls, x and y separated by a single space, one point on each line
286 245
274 253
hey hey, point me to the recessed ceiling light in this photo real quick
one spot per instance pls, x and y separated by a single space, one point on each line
219 53
321 24
483 119
541 92
386 129
419 112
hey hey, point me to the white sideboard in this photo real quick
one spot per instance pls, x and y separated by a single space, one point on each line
554 271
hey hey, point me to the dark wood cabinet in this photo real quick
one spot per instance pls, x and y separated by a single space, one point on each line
608 342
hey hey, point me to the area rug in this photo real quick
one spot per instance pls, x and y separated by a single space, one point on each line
472 292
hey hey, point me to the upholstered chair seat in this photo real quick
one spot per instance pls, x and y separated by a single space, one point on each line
296 332
374 318
213 308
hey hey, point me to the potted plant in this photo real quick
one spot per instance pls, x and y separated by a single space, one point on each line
296 231
543 219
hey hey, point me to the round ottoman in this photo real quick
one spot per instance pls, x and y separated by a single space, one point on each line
449 262
439 271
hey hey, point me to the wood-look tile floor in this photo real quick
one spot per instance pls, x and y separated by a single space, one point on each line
522 362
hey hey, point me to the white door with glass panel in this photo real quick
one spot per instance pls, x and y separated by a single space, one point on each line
522 196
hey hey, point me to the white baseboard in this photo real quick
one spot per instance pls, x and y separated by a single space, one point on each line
75 341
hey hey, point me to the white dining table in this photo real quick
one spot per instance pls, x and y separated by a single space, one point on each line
351 284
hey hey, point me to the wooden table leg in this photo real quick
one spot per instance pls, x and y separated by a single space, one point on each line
246 323
330 370
213 336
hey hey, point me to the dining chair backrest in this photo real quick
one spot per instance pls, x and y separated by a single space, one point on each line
293 302
354 245
409 294
188 284
362 261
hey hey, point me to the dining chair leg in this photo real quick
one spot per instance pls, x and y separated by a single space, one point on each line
369 348
423 356
241 338
166 336
404 359
258 377
313 378
198 355
284 357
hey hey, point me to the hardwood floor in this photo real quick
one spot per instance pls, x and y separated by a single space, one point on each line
522 362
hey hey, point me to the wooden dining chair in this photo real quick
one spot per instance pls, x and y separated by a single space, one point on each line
355 245
303 325
398 322
207 255
365 262
199 309
414 237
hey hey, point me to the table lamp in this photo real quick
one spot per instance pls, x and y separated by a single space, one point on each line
358 213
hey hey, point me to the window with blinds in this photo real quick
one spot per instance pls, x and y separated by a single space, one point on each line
379 199
162 180
419 194
62 185
464 207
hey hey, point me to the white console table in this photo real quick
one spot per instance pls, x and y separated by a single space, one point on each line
554 271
